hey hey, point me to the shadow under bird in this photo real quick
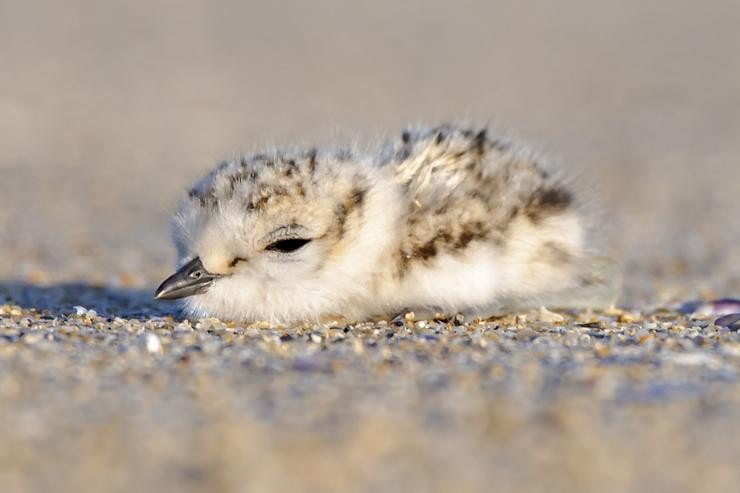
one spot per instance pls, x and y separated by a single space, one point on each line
440 220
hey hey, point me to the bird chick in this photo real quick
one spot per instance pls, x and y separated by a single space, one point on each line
440 220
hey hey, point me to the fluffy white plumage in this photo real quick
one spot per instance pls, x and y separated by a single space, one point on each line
440 221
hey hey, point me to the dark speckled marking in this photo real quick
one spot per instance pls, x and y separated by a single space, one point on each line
290 168
507 219
446 242
426 251
403 153
470 233
465 238
311 156
402 264
357 197
546 201
341 213
479 141
278 191
354 202
259 203
260 200
430 249
205 198
234 180
554 253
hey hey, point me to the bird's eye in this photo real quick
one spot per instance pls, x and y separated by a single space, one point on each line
287 245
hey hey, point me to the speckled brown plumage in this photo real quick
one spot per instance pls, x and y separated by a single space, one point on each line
446 218
465 187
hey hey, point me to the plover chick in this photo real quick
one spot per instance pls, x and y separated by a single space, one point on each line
440 220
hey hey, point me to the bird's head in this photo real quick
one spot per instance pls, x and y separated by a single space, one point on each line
279 236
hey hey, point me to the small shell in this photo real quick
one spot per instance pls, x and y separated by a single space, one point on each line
546 315
730 321
151 343
714 308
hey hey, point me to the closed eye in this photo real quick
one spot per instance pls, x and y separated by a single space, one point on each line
287 245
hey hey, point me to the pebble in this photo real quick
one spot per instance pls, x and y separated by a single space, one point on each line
357 346
80 310
151 343
546 315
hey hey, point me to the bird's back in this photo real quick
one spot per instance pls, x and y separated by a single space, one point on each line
473 197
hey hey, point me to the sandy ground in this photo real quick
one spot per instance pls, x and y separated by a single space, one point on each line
109 110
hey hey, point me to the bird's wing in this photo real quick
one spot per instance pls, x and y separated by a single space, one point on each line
447 164
432 164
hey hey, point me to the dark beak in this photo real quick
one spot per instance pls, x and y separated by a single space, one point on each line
191 279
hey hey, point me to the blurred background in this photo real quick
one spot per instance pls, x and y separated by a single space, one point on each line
108 110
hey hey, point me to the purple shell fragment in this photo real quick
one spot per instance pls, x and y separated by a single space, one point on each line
716 308
730 321
726 306
690 307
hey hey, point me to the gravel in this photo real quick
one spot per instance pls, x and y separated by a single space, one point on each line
122 393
